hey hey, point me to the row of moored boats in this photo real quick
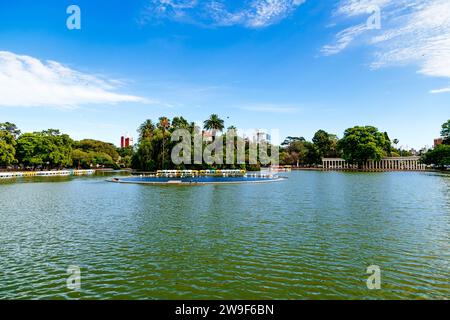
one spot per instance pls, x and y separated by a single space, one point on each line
56 173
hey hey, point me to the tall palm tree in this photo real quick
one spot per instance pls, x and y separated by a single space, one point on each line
396 142
180 123
163 125
146 130
214 123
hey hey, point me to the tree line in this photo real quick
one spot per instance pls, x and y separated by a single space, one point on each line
153 151
51 149
358 145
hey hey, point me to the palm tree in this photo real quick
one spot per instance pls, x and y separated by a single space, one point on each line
214 123
180 123
163 125
395 142
146 130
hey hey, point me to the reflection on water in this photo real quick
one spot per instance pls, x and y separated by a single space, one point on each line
311 236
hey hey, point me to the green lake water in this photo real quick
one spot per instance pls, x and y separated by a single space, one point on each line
311 236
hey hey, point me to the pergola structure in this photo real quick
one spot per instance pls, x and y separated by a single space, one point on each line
386 164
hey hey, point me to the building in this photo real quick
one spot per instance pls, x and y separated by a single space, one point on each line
261 136
386 164
207 136
126 141
438 141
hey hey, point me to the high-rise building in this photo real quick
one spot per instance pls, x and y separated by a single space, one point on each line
262 136
126 141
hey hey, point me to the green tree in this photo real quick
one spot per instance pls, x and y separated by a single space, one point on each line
395 142
361 144
30 150
445 132
90 145
144 159
146 130
289 140
126 156
326 144
8 141
180 123
214 124
299 152
163 126
7 148
323 142
11 128
47 149
81 159
89 153
439 156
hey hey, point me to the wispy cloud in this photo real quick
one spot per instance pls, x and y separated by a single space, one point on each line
413 32
251 14
29 82
443 90
343 39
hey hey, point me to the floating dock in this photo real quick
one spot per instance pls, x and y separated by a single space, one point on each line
202 177
200 173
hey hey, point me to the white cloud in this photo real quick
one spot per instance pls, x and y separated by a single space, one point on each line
343 39
413 32
358 7
29 82
443 90
252 14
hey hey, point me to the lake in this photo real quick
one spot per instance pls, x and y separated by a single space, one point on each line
311 236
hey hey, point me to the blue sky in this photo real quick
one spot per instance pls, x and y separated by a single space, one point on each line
293 65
